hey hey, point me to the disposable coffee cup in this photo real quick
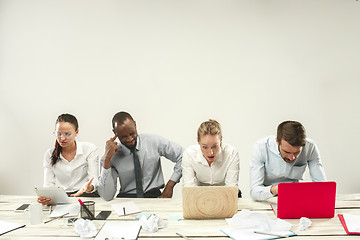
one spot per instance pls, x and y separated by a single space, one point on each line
35 213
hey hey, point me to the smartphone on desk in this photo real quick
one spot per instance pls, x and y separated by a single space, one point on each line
22 208
103 215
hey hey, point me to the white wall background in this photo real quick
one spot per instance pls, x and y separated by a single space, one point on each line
173 64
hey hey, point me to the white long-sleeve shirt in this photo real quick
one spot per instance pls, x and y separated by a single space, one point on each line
74 174
268 168
224 171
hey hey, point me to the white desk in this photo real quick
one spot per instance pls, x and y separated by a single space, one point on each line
164 208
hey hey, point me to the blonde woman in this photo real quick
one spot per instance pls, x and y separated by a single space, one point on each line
210 162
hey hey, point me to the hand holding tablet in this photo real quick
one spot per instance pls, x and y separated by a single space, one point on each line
56 195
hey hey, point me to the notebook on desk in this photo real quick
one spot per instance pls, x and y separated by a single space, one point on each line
209 202
305 199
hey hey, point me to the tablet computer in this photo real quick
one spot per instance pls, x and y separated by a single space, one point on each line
57 194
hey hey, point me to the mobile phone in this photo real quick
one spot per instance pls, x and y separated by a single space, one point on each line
103 215
22 208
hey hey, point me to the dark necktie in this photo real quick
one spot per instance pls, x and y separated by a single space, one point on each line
138 175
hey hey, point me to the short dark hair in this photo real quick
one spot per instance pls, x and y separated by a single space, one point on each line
292 132
120 118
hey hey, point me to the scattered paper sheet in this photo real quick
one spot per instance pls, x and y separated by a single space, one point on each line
249 234
352 222
128 230
9 226
261 221
125 208
250 222
73 209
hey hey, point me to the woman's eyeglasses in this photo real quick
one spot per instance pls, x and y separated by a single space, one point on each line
60 134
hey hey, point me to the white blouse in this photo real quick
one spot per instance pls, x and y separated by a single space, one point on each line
74 174
224 171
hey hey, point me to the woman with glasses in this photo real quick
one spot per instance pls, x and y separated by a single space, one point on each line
72 164
211 162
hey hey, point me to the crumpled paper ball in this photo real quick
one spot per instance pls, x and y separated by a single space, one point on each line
304 223
152 224
85 228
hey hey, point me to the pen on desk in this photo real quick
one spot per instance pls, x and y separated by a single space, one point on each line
56 217
185 237
86 209
124 210
271 234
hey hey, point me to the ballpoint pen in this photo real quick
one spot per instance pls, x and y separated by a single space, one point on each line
271 234
185 237
90 214
56 217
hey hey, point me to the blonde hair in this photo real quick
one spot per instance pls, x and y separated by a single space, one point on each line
211 127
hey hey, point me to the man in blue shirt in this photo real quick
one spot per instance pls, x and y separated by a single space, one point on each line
119 162
283 158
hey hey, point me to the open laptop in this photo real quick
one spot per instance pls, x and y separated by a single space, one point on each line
209 202
305 199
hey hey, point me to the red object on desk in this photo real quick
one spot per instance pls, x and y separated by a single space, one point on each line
342 220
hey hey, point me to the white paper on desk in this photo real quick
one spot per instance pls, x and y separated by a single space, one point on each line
73 209
130 208
9 226
128 230
248 234
261 221
352 222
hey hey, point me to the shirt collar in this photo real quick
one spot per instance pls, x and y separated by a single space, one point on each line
79 149
138 144
273 146
137 147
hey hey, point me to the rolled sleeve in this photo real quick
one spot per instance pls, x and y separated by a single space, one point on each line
189 178
316 170
258 191
93 167
49 175
173 152
232 174
107 184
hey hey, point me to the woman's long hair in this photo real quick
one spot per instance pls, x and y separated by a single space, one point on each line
55 155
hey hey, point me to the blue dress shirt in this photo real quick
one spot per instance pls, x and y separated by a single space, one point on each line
268 168
150 148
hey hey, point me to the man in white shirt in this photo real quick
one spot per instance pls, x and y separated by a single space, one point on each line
283 158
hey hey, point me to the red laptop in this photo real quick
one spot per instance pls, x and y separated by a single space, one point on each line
306 199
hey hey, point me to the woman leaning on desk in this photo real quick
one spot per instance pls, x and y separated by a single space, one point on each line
210 162
73 164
